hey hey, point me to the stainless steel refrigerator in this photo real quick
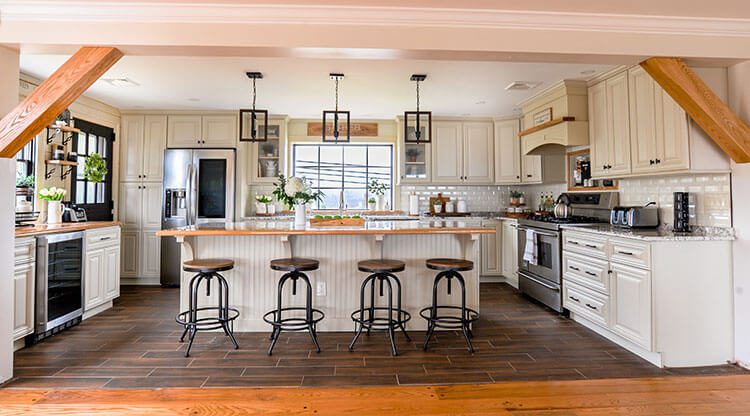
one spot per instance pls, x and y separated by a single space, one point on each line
198 188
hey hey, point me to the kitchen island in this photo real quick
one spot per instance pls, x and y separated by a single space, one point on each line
253 244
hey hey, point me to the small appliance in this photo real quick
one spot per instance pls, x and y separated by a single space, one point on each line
72 213
635 217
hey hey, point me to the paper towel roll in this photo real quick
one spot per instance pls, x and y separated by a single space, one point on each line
413 204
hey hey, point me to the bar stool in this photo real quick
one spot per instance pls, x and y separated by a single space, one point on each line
366 316
206 270
295 267
449 269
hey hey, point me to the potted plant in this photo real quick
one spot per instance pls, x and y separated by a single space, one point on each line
54 197
515 197
371 204
262 203
295 193
95 168
412 154
378 189
268 149
24 182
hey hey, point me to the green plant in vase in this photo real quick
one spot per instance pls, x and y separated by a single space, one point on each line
95 168
378 189
412 154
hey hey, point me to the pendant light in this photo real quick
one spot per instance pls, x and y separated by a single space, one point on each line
254 122
336 116
418 124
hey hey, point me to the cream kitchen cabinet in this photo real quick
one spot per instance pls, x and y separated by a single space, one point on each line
531 169
492 254
140 216
507 152
463 153
509 244
101 268
192 131
144 139
609 127
651 296
24 279
268 158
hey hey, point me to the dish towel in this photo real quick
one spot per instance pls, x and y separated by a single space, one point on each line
529 253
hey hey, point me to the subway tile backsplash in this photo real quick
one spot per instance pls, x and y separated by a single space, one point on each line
478 198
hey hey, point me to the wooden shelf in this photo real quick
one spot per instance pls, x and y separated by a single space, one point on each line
61 163
53 131
65 129
592 188
64 172
415 163
543 126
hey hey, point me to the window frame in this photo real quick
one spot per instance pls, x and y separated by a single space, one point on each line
390 185
97 211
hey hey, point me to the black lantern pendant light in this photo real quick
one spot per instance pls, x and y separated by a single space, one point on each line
337 117
418 124
254 122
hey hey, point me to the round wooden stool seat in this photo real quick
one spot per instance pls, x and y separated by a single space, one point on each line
294 264
381 266
456 265
208 265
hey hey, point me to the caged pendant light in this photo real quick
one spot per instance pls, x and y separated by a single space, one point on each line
254 122
418 124
336 117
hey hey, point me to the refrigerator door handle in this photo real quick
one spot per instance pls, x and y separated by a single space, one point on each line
189 196
194 192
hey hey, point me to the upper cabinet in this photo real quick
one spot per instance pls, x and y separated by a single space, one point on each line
142 148
414 159
507 152
463 152
267 158
214 131
636 128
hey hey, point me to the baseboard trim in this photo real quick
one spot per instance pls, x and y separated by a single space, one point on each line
140 281
654 358
95 311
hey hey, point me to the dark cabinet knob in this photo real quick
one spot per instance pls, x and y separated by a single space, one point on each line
518 176
658 160
651 162
528 175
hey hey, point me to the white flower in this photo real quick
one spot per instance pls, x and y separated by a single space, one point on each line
44 192
294 186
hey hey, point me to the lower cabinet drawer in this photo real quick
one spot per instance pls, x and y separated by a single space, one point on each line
25 250
587 271
587 303
585 243
102 237
633 253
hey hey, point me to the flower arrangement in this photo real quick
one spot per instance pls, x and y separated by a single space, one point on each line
52 194
292 191
263 199
376 188
95 168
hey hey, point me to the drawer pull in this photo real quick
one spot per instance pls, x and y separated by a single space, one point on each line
591 246
590 273
105 238
574 268
591 307
627 253
574 242
574 299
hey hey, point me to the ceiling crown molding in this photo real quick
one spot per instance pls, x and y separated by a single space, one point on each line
140 12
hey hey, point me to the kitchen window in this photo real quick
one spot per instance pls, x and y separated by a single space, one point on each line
95 198
348 168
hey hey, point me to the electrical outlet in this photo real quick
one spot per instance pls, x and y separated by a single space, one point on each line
320 289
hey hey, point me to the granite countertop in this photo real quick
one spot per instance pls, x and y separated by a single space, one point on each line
286 227
657 234
66 227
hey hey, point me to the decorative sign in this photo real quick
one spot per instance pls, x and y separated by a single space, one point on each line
358 129
543 116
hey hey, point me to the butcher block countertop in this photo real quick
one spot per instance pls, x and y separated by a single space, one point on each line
287 228
42 229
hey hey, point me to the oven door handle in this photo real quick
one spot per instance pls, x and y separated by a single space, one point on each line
538 232
539 281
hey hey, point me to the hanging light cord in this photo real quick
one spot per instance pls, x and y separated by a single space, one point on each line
417 98
336 113
253 94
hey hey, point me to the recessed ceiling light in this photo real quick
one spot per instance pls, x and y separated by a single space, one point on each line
195 100
480 102
121 82
522 85
588 72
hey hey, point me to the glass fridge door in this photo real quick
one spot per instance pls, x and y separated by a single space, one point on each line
215 185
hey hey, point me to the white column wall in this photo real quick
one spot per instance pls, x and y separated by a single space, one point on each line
9 73
739 100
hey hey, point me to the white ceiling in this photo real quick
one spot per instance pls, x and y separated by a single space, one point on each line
373 88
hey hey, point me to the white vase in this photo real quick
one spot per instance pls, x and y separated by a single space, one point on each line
260 208
54 212
300 216
270 209
371 206
380 202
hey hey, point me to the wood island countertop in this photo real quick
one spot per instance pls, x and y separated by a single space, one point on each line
66 227
287 228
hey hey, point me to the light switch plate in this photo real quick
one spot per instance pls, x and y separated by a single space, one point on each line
320 289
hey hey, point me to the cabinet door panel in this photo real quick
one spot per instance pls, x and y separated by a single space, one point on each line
183 131
131 148
130 244
150 259
220 131
131 201
154 143
643 132
23 300
151 216
447 159
618 117
672 148
93 289
631 292
492 252
509 262
507 152
598 129
111 275
531 169
478 151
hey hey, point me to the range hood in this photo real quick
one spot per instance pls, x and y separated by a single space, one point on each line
555 119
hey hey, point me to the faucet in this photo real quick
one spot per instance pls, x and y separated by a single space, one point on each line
341 203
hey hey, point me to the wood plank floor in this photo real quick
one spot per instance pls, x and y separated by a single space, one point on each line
670 396
135 345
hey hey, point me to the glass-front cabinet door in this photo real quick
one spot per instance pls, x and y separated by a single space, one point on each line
415 160
268 157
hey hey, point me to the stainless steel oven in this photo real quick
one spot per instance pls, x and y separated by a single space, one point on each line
541 279
59 283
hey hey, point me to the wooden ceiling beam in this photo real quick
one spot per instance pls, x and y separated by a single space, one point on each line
702 105
53 96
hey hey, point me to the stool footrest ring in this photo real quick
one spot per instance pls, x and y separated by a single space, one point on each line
207 323
293 323
381 323
449 321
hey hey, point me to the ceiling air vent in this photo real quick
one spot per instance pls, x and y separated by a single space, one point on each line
522 85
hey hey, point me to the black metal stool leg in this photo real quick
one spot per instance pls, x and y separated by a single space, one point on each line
224 287
309 313
277 314
398 299
372 302
391 323
464 317
362 290
433 310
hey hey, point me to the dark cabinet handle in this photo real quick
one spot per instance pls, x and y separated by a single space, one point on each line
609 166
592 307
591 246
574 243
528 175
574 298
574 268
627 253
651 162
590 274
609 271
105 238
658 161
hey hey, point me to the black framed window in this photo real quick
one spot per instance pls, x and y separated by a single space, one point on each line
348 168
25 159
95 198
